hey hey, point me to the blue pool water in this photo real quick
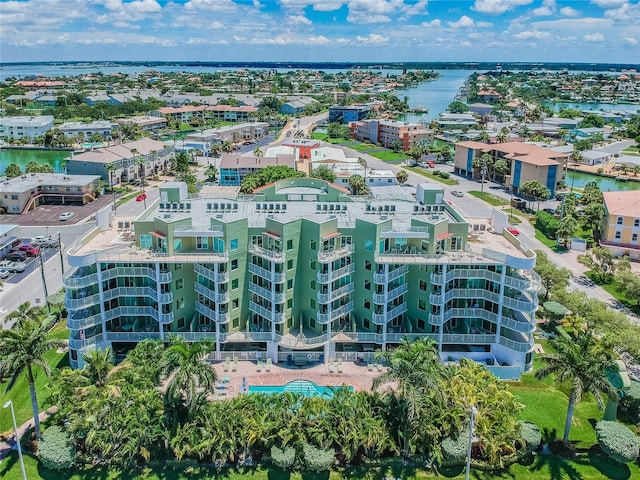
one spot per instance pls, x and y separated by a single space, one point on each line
304 387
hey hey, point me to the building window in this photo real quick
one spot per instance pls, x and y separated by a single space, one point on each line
145 242
202 243
180 303
289 244
312 323
422 285
234 284
367 265
236 322
312 303
313 245
367 304
421 324
636 222
618 235
620 220
422 305
290 303
366 323
235 303
179 283
312 264
234 264
634 238
233 244
177 244
312 284
290 283
368 245
367 285
289 264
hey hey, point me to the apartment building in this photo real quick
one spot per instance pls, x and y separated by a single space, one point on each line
101 127
231 133
25 127
349 113
303 270
388 132
26 192
146 123
234 167
527 162
621 226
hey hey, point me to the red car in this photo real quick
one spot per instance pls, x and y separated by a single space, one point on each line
30 249
513 231
141 197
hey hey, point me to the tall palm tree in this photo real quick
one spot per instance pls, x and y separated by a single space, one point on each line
187 373
582 361
22 350
110 168
257 152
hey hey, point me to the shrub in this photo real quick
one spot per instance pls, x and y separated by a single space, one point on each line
316 459
547 224
617 441
444 175
631 402
283 457
454 449
531 436
56 451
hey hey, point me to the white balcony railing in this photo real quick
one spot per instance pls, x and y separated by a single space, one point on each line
218 277
382 318
381 298
272 255
384 278
267 294
335 313
518 326
326 256
218 297
336 294
468 338
336 274
267 274
275 317
218 317
524 346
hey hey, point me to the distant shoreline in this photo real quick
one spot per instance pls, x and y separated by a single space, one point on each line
504 66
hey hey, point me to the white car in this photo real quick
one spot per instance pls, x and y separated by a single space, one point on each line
66 216
4 273
457 193
12 266
43 241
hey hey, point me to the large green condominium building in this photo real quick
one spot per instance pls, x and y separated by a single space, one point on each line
301 269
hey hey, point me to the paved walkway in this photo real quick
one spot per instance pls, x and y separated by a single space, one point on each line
10 444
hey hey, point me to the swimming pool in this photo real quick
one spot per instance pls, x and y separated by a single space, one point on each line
304 387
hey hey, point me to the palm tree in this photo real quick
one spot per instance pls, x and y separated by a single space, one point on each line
363 162
257 152
22 349
582 361
402 176
110 168
358 187
183 366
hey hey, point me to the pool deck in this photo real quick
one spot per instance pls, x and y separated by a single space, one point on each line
355 375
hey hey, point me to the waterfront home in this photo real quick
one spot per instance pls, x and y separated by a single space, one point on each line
621 226
17 127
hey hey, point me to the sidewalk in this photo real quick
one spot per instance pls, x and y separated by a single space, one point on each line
10 444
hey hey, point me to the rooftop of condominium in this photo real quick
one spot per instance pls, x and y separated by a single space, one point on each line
624 203
29 181
524 152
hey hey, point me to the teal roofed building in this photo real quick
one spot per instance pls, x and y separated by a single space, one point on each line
302 267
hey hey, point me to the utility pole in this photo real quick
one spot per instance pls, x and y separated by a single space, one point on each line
60 252
44 282
483 172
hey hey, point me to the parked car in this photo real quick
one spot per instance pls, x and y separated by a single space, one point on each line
513 231
16 256
12 266
4 273
43 241
141 197
552 211
30 249
457 193
66 216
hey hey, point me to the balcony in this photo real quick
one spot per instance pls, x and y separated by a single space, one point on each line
387 277
218 297
336 274
382 318
210 274
524 346
465 273
335 313
246 337
271 255
477 313
398 337
518 326
520 305
467 293
300 341
336 294
217 317
529 282
267 294
468 338
274 317
75 322
404 232
328 256
267 274
164 318
128 272
83 302
382 298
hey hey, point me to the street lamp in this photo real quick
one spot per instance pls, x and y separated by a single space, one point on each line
474 412
9 404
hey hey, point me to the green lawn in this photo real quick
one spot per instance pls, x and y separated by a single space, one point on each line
387 155
20 391
428 174
612 289
490 198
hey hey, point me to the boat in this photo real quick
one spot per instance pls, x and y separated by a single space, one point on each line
622 178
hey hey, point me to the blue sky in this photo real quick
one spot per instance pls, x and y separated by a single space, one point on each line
321 30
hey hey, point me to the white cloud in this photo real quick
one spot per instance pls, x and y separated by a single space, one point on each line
631 40
627 13
497 7
594 37
542 12
299 19
462 22
138 6
372 39
484 24
317 5
532 34
609 3
210 5
569 12
436 23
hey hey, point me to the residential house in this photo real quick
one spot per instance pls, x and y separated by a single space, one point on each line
25 127
621 226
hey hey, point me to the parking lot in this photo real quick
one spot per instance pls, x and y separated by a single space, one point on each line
48 215
32 263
